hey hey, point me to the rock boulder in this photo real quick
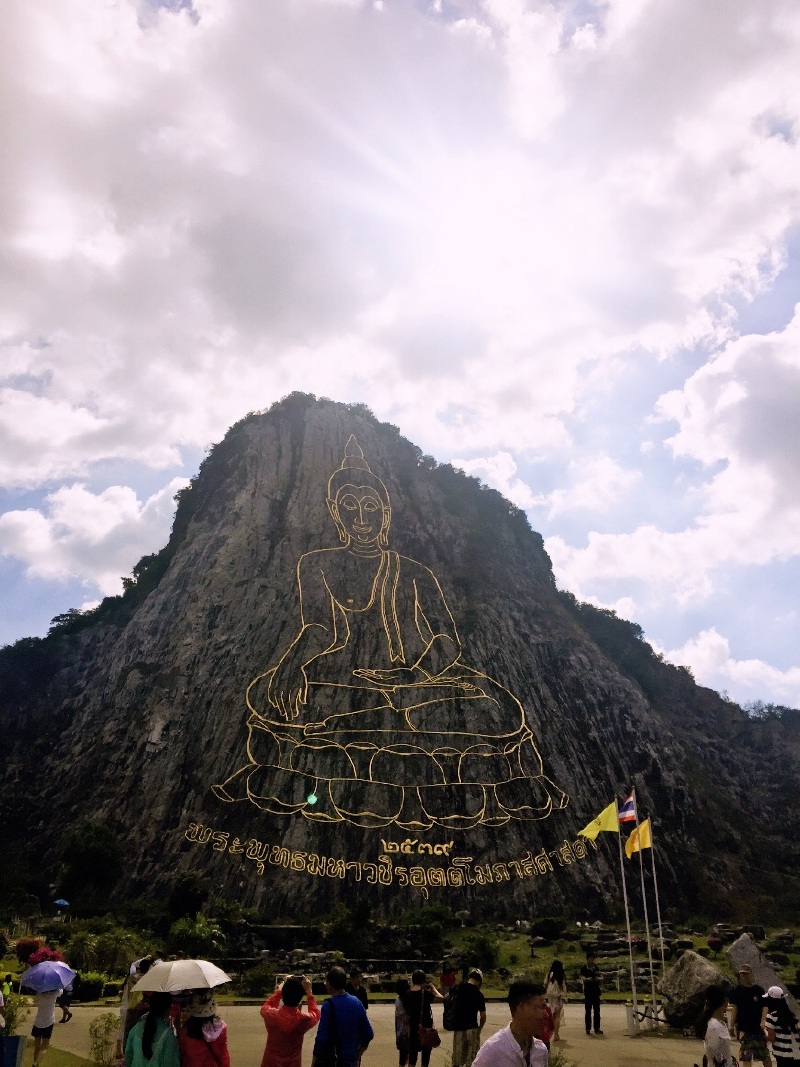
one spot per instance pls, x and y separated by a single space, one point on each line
684 987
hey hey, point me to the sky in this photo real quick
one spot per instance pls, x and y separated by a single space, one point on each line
557 244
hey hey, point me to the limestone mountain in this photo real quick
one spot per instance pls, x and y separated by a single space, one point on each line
350 674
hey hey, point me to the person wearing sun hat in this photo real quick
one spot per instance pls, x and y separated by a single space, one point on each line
203 1037
783 1029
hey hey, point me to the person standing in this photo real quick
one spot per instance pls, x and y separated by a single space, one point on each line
713 1030
521 1041
590 973
131 1010
783 1029
448 978
152 1041
401 1022
286 1022
44 1022
203 1038
469 1020
343 1024
556 986
747 1020
65 999
355 987
418 1002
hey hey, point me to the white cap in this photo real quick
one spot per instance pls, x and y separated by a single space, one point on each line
774 993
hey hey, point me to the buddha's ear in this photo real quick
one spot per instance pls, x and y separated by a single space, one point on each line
334 513
383 536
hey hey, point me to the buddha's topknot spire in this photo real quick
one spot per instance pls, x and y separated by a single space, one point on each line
354 456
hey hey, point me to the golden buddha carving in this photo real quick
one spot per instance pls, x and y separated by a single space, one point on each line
370 716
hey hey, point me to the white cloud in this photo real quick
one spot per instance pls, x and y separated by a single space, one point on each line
194 198
499 472
94 537
470 216
598 483
739 416
709 657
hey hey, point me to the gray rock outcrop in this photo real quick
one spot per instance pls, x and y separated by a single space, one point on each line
684 986
744 951
146 704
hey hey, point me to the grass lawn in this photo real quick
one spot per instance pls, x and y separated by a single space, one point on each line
54 1057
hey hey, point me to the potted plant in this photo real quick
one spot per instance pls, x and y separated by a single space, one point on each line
15 1012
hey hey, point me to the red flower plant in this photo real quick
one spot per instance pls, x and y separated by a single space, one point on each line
25 948
43 955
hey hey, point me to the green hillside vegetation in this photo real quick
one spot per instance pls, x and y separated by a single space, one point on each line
101 948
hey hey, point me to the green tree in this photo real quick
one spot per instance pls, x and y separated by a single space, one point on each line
197 937
92 859
187 897
81 950
482 950
116 948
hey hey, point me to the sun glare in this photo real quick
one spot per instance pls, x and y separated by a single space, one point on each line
500 237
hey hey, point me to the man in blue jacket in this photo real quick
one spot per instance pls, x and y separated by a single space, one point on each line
343 1026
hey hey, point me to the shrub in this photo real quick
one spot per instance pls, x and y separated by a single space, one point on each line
548 926
15 1012
103 1038
258 981
91 986
558 1058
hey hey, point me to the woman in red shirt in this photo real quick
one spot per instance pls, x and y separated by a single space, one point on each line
203 1036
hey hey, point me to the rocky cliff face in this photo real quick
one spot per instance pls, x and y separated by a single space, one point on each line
441 727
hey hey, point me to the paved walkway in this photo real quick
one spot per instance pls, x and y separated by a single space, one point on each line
614 1049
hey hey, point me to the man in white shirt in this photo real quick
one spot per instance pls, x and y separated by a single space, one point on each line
520 1044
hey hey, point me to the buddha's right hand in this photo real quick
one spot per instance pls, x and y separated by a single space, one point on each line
288 690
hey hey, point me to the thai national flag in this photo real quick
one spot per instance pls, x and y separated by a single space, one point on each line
627 813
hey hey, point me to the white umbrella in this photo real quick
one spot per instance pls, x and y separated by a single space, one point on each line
172 976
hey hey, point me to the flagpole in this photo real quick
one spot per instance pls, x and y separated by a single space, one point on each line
627 924
658 904
644 904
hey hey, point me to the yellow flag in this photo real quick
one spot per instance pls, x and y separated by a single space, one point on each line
606 820
639 839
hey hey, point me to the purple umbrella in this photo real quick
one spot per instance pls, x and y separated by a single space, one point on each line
47 976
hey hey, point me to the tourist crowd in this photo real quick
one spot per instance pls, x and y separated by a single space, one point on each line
184 1030
754 1018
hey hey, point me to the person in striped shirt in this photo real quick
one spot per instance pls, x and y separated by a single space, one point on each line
783 1029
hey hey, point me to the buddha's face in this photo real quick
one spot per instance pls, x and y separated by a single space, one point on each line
360 513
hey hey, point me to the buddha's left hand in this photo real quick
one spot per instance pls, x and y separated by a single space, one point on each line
391 679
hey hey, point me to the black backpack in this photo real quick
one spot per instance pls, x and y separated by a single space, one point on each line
450 1008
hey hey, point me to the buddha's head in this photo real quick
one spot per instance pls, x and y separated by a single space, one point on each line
358 501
